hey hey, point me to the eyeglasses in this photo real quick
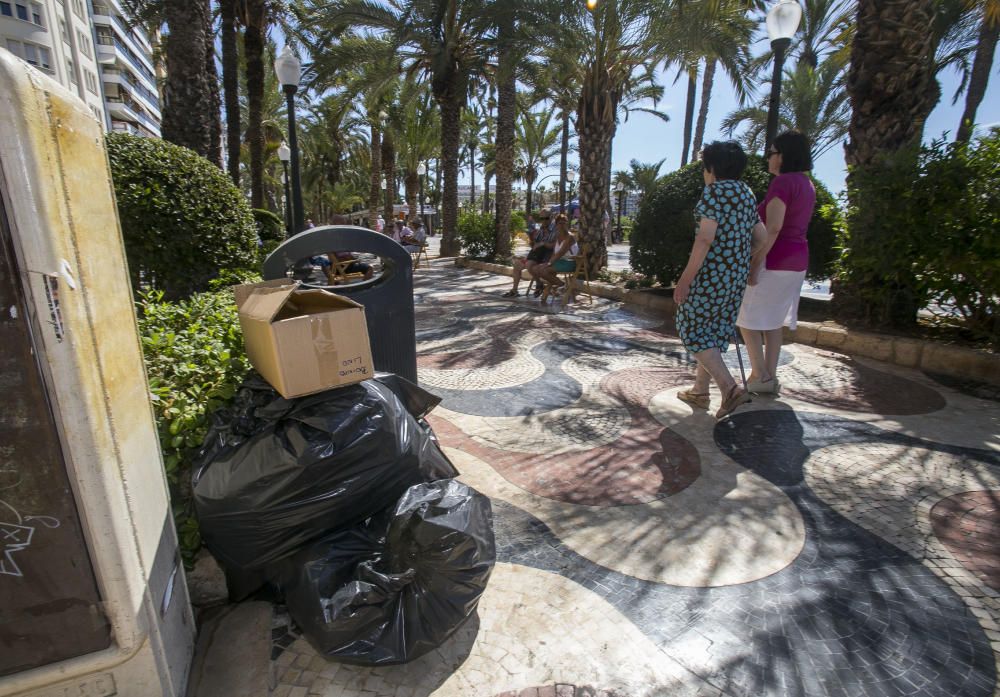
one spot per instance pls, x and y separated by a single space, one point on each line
772 153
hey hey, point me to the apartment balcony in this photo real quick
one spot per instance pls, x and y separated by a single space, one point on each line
118 76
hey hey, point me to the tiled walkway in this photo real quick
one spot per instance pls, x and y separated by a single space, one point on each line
841 539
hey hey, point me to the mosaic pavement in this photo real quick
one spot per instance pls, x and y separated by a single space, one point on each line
841 539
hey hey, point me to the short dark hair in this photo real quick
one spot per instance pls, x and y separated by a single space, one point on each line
724 159
796 155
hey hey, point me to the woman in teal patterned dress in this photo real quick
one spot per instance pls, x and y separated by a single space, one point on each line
711 287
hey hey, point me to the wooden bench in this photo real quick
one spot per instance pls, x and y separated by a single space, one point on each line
581 270
422 252
336 272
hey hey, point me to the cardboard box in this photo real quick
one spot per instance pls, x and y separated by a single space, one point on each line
303 341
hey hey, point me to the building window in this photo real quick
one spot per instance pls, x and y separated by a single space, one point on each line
91 80
37 14
6 10
84 44
62 31
71 71
78 8
34 54
22 11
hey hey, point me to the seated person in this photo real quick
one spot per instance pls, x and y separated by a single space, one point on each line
354 266
415 239
559 261
400 230
542 245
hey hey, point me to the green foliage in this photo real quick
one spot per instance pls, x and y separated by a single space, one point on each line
270 227
182 219
195 361
517 221
476 232
923 233
664 227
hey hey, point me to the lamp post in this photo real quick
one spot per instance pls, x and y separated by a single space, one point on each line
289 70
620 190
570 177
421 171
284 153
782 21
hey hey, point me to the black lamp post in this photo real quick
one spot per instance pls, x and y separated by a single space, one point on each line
421 172
620 190
782 22
289 71
284 153
570 177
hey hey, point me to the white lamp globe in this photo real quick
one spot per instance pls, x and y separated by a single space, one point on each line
783 19
288 68
284 152
571 176
421 170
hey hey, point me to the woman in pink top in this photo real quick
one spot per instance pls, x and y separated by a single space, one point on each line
777 270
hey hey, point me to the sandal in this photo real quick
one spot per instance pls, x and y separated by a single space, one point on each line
735 398
698 400
510 294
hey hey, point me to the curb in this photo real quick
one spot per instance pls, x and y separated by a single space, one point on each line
931 357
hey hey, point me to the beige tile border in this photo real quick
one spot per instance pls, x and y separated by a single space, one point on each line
954 361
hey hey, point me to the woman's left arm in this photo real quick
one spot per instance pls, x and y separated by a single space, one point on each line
702 243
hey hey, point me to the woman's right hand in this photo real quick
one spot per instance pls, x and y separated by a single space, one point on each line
754 276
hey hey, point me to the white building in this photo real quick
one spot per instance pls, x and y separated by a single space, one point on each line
91 50
56 37
127 72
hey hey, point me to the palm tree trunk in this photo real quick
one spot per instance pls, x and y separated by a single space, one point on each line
528 202
472 168
389 174
215 100
230 87
595 127
563 155
253 42
504 156
979 79
890 76
451 116
486 191
689 113
376 164
412 183
707 81
187 109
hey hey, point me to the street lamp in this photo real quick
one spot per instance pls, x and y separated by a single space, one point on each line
421 171
284 154
620 190
782 21
289 70
571 177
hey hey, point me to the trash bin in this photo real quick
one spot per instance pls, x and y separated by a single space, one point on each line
387 298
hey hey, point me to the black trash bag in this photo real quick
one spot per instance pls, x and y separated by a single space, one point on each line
276 474
395 587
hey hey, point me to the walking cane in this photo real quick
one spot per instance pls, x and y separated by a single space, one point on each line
739 357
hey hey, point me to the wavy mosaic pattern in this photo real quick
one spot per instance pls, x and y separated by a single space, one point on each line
840 539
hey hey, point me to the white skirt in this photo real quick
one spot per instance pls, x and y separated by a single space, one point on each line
773 302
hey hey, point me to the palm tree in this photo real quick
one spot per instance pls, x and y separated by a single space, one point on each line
418 141
891 71
622 36
187 111
228 37
989 29
254 43
442 39
813 101
473 122
538 142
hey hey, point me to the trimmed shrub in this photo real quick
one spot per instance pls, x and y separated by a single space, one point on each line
182 219
476 233
195 361
664 228
930 219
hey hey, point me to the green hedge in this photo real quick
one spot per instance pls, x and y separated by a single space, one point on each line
476 231
182 219
664 228
924 232
195 361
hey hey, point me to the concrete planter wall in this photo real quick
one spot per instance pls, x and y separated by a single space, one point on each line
954 361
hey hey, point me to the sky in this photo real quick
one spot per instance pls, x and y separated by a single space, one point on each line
648 139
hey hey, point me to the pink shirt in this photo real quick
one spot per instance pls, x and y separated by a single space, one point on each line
791 250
